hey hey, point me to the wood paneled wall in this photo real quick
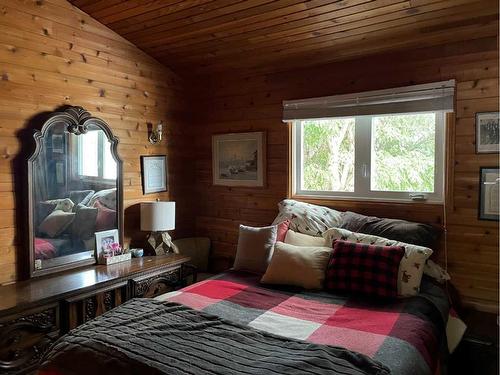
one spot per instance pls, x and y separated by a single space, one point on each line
52 54
248 103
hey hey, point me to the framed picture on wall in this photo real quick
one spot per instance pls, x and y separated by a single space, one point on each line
154 173
238 159
487 132
489 206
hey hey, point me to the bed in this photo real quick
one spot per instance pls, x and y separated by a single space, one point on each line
232 323
353 336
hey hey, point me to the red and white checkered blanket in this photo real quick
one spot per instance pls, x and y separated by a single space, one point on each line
405 335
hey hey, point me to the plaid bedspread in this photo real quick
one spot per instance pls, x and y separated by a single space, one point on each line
405 335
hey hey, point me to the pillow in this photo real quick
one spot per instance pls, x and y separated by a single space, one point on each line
84 225
366 269
300 239
411 267
43 209
56 223
81 196
399 230
106 197
255 247
106 217
282 229
307 218
64 204
44 249
297 265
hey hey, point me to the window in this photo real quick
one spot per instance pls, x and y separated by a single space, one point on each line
384 157
94 156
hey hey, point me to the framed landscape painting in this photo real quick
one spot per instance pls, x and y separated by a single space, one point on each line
238 159
489 205
487 132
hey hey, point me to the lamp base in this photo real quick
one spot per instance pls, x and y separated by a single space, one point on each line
161 243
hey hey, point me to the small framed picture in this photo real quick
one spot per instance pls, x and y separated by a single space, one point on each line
487 132
104 242
154 173
238 159
488 193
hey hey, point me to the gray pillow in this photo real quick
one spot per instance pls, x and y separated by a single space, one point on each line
394 229
80 196
255 247
55 224
83 227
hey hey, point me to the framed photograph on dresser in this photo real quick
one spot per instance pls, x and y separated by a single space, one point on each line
489 205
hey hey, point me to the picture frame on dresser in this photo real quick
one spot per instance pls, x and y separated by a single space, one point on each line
154 173
487 132
489 188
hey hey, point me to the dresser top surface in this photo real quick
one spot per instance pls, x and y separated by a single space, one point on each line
55 286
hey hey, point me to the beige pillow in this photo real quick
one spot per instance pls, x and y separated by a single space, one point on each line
300 239
255 247
56 223
297 265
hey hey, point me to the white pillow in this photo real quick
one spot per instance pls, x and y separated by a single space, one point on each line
307 218
300 239
255 247
411 267
297 265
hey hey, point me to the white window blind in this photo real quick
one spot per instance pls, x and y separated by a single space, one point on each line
438 96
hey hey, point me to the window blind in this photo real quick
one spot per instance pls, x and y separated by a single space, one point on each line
438 96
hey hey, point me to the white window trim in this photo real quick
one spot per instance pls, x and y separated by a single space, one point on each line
361 178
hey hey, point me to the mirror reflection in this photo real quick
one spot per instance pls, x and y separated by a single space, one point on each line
74 194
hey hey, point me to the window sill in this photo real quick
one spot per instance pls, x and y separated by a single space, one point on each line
328 200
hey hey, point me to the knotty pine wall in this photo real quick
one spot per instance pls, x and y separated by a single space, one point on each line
253 102
52 54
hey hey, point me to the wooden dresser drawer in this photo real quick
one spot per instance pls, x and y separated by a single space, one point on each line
154 284
25 337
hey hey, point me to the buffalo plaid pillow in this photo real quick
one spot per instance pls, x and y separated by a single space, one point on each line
363 268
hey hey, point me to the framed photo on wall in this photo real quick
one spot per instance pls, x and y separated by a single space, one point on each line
487 132
489 206
154 173
238 159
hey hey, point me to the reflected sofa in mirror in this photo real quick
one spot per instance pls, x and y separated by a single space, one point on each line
75 190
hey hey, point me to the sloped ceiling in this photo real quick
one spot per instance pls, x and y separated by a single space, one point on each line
207 36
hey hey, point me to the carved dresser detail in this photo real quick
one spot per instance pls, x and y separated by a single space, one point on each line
34 313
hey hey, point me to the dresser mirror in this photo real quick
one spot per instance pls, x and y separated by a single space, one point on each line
75 190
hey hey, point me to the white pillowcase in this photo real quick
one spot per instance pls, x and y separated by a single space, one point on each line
411 267
307 218
255 247
300 239
302 266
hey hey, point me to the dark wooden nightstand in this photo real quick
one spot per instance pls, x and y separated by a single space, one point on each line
477 354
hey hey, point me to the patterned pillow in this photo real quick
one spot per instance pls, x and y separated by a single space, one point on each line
412 264
365 269
307 218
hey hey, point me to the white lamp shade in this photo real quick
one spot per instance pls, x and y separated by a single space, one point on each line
157 216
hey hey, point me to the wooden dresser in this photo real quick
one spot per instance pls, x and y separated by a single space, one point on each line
34 313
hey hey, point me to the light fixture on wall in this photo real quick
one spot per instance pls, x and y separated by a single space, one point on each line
155 136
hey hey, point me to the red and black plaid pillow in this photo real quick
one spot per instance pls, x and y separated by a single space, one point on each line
363 268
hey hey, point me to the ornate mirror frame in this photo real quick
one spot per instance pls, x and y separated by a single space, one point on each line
78 120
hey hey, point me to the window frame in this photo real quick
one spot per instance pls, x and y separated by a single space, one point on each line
362 157
101 145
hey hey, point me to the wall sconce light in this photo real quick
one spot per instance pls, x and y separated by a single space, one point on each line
156 135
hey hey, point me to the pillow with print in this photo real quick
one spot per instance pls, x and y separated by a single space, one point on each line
412 265
370 270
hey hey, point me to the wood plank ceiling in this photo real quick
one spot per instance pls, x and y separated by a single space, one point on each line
215 35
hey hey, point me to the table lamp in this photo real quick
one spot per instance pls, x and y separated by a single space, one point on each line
157 218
